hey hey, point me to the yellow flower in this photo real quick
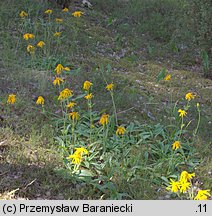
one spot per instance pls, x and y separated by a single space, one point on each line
174 186
167 77
71 105
176 145
65 9
81 151
104 119
66 68
57 81
189 96
28 36
23 14
40 100
11 99
65 94
120 130
202 195
74 116
184 186
49 11
110 86
198 105
185 176
57 34
76 159
60 68
87 85
40 44
77 13
88 96
182 113
31 49
58 20
77 156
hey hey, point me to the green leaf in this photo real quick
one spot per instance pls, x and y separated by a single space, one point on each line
85 173
164 179
80 96
161 75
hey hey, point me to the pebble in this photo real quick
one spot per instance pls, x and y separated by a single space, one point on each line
167 196
48 193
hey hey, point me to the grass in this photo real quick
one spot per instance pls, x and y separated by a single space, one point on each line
32 164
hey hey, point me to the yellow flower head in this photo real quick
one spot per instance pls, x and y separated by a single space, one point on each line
87 85
74 116
88 96
189 96
66 68
58 20
28 36
23 14
81 151
77 156
184 186
77 14
41 44
57 81
174 186
110 86
59 68
71 104
202 195
11 99
104 119
30 49
49 11
76 159
176 145
65 94
167 77
40 100
182 113
65 9
57 34
185 176
120 130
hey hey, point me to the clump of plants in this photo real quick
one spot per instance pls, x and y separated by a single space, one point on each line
97 147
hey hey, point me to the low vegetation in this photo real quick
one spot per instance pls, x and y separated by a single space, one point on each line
89 111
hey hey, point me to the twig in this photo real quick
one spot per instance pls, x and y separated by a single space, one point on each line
1 143
12 192
1 174
125 110
29 184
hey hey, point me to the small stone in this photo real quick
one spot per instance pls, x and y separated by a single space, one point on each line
60 197
167 196
48 193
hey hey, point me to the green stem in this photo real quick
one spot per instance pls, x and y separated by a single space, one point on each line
105 132
198 123
181 128
172 155
183 154
91 119
73 133
114 108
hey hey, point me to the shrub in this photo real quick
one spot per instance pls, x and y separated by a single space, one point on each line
200 22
